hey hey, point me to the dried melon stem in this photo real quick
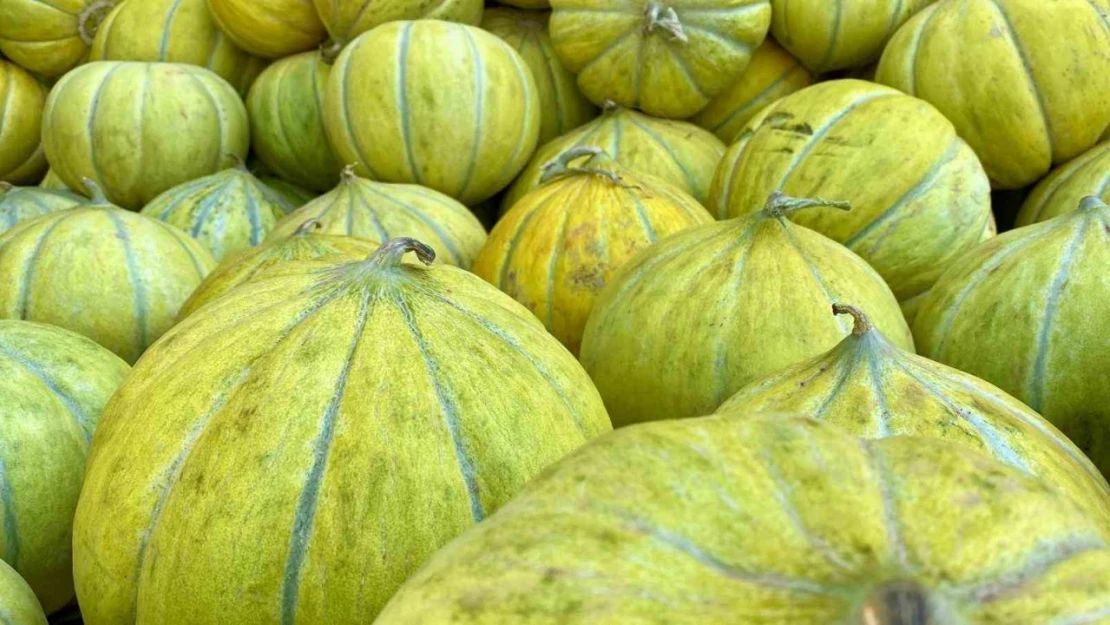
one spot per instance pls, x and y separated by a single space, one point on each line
308 226
897 603
862 323
780 205
329 51
89 20
392 251
597 163
348 174
664 18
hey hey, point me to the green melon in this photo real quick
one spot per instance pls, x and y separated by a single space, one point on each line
20 605
21 203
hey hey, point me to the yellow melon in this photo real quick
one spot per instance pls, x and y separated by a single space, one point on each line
20 605
270 29
50 37
347 19
22 203
1062 190
22 99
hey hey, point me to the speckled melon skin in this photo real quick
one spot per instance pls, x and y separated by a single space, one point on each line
22 203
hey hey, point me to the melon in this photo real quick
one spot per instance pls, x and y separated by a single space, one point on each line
872 388
690 320
112 275
50 38
769 520
911 306
1062 190
1021 311
55 384
20 605
22 99
286 111
226 211
271 29
562 105
772 74
678 152
443 105
359 416
926 200
22 203
381 211
561 244
666 58
347 19
1025 82
173 31
52 181
252 264
137 129
293 194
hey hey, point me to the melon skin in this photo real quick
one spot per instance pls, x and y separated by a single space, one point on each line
22 99
138 129
53 182
55 384
271 29
22 203
768 520
20 605
372 411
294 194
50 39
1026 83
347 19
443 105
1061 191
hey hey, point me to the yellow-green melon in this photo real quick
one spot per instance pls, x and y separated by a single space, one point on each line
1026 82
443 105
50 37
22 99
22 203
911 306
1061 191
558 247
769 520
772 74
358 417
227 211
55 384
562 105
920 198
347 19
678 152
173 31
690 320
829 35
112 275
52 181
381 211
20 605
295 195
870 387
271 29
666 58
137 129
1023 311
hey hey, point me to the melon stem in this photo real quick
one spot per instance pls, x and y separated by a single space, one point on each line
897 603
96 194
348 173
329 51
594 165
1091 203
664 18
307 227
392 251
780 205
89 20
862 323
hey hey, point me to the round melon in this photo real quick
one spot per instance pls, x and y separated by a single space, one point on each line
443 105
55 384
22 99
561 244
227 211
381 211
562 105
286 111
677 152
50 37
173 31
690 320
252 264
347 19
1023 311
22 203
20 605
112 275
830 35
772 74
271 29
668 59
52 181
1025 82
911 306
137 129
1062 190
769 520
872 388
375 405
293 194
920 197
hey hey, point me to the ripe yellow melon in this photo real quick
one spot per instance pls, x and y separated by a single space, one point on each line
563 107
137 129
50 38
1062 190
558 247
173 31
347 19
270 29
20 605
22 203
22 99
911 306
358 416
1026 82
443 105
666 58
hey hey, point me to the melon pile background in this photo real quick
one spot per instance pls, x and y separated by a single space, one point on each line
757 312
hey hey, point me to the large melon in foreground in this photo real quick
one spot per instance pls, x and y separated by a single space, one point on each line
54 385
770 520
22 99
345 421
22 203
20 605
114 276
137 129
1026 312
872 388
690 320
